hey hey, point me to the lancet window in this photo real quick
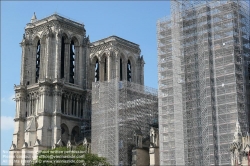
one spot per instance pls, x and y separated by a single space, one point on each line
72 62
129 73
38 50
97 71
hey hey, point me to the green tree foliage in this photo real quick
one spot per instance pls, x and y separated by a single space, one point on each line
66 157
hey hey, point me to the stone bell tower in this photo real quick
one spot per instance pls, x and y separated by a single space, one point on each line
53 97
59 64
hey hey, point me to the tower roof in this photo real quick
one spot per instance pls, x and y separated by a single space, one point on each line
34 22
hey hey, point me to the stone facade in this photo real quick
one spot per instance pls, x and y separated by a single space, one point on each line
240 148
59 64
154 146
146 152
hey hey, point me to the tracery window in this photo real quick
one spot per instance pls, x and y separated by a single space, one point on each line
97 71
38 50
129 74
72 62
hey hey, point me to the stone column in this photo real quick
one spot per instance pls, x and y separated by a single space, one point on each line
117 65
66 61
81 66
67 105
47 55
37 104
124 69
109 67
17 107
70 104
86 61
33 63
80 107
134 72
92 73
23 64
42 102
73 106
28 107
77 107
65 99
58 56
77 67
56 121
101 70
55 99
42 59
18 135
31 105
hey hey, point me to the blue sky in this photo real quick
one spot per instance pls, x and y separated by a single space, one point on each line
133 21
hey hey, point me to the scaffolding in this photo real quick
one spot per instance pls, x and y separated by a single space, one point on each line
118 109
203 52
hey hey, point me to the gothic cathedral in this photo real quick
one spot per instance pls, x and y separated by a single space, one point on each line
59 64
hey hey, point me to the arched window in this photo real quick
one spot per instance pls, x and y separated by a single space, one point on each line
38 49
72 62
75 133
129 74
120 69
64 134
62 57
96 70
81 113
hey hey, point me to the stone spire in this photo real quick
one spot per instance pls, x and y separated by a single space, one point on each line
237 133
33 19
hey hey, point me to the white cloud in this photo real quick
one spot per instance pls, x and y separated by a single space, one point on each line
7 123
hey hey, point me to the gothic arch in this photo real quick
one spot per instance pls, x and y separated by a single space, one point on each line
132 59
75 133
93 58
131 68
122 66
65 35
104 67
94 68
35 39
75 40
103 54
43 39
123 54
64 134
45 33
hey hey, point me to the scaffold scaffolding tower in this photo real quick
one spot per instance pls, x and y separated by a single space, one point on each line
203 57
118 109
